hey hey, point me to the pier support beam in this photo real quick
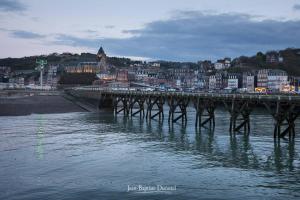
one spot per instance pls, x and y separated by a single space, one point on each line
102 102
155 104
239 115
284 115
139 102
178 105
205 112
124 101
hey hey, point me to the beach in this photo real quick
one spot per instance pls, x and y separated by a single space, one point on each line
39 104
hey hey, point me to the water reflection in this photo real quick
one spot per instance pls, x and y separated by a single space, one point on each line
284 156
234 150
101 154
40 135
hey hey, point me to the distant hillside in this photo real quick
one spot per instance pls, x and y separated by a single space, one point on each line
290 63
59 59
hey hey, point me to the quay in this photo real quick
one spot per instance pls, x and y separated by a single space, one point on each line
284 108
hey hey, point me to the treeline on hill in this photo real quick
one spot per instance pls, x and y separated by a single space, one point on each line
65 59
169 64
52 59
77 78
119 62
290 64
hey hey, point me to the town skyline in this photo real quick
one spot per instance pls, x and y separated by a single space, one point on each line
175 31
270 72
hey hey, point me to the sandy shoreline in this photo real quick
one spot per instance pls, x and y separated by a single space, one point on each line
16 106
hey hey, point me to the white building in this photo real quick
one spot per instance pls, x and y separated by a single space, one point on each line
219 65
17 82
223 64
155 64
212 82
262 78
250 83
52 75
233 82
277 79
141 75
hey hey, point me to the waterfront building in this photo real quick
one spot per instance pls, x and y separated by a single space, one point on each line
52 75
262 78
185 76
212 82
122 75
4 73
244 79
233 81
221 80
250 83
141 74
5 70
277 79
144 74
184 72
294 82
17 82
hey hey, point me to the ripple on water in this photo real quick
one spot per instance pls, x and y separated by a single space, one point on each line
80 155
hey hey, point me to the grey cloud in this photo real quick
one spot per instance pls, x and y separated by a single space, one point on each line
297 7
191 36
90 31
63 39
110 26
11 5
25 34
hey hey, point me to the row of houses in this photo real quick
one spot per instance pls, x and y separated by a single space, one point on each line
262 80
185 78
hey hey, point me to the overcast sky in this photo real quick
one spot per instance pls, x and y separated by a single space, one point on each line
182 30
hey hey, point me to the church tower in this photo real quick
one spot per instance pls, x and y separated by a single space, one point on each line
101 58
101 54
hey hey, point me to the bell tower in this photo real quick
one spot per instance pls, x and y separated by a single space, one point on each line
101 58
101 54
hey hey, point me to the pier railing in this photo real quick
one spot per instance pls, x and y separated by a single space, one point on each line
250 96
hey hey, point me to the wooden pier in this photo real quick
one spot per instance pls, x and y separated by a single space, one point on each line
283 108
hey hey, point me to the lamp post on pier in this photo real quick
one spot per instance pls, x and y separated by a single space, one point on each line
41 64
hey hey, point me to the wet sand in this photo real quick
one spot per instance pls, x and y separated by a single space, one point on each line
15 106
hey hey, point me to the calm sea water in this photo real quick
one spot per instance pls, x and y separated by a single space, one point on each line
97 155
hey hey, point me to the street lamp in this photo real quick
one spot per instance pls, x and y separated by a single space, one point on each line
41 63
